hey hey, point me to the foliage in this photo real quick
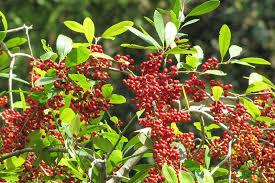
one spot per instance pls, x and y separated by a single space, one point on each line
62 129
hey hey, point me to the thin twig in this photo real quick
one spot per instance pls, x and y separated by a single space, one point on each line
121 135
225 159
19 29
28 38
202 138
10 81
265 141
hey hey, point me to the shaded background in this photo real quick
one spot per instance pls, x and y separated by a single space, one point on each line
251 22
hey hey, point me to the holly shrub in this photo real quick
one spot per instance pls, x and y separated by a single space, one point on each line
62 128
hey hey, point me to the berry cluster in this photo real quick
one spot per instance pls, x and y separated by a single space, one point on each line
225 87
211 64
195 88
3 101
124 62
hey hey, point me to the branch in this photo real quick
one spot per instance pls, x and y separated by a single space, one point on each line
225 159
19 29
118 70
49 150
125 169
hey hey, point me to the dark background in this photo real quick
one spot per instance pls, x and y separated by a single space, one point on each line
251 23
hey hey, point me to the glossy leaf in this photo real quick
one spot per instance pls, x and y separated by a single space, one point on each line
234 61
175 128
117 99
169 174
235 51
77 56
170 33
182 150
139 34
207 177
75 45
5 24
89 29
116 29
75 26
174 19
47 55
256 87
159 25
22 98
149 20
135 46
139 113
268 120
207 158
217 92
114 119
215 72
185 177
251 108
224 40
17 41
15 162
139 176
101 55
192 61
45 81
14 77
254 60
46 47
191 22
178 50
81 81
75 125
63 46
150 38
67 115
107 90
204 8
176 7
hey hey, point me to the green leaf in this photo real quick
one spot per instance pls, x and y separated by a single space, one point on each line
192 61
174 19
150 21
75 45
39 96
215 72
207 158
15 162
114 119
251 108
17 41
191 22
220 172
176 7
139 34
89 29
199 55
77 56
207 177
101 55
47 55
169 174
81 81
5 24
150 38
199 175
139 176
107 90
178 50
103 144
268 120
175 128
191 165
63 46
117 99
67 115
182 150
254 60
45 81
75 125
253 77
75 26
135 46
159 25
46 47
224 40
139 113
234 61
257 86
235 51
114 159
204 8
22 98
217 92
91 129
185 177
14 77
170 33
116 29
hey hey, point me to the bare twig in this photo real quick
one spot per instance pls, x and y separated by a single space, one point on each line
118 70
28 38
10 81
265 141
19 29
